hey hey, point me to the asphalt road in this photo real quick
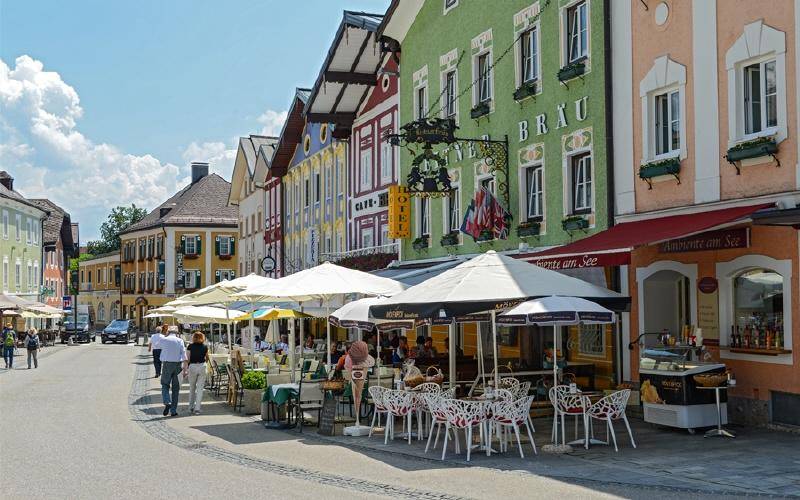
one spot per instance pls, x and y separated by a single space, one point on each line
68 431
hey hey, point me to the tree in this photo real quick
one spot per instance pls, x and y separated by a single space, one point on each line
118 220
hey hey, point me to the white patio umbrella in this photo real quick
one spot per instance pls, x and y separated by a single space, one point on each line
488 282
325 282
206 314
557 311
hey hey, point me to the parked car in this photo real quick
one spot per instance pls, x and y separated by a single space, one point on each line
80 330
120 330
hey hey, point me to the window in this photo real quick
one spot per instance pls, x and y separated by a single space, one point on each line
420 104
487 183
226 274
450 89
386 162
591 340
98 277
36 273
385 235
529 46
30 276
19 227
5 225
367 238
667 125
253 225
224 245
484 78
35 225
307 184
5 273
581 172
577 32
317 187
366 168
534 193
18 274
452 211
190 245
29 227
760 97
191 279
758 302
424 217
328 183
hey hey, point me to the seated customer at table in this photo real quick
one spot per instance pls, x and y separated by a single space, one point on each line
259 345
282 346
401 351
394 340
309 346
427 350
335 354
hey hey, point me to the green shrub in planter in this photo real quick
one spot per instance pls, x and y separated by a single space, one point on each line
528 229
525 90
254 380
763 146
420 243
485 235
574 223
480 110
572 70
449 239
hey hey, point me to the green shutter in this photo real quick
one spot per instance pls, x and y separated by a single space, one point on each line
216 276
183 244
233 245
197 280
233 274
216 246
199 246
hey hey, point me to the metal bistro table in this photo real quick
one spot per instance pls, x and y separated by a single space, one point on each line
277 395
719 431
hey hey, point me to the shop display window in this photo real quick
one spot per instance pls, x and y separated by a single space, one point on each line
758 309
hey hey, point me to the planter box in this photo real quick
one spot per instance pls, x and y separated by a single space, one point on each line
481 109
532 229
659 168
251 402
571 71
574 224
420 244
526 90
756 150
450 239
483 238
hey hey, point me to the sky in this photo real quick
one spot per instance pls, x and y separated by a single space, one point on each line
105 102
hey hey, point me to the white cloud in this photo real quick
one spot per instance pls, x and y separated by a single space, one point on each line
272 122
49 157
219 157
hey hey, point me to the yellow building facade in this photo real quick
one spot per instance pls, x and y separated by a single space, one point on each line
100 280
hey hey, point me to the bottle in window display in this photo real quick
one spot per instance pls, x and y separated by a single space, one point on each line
747 336
732 342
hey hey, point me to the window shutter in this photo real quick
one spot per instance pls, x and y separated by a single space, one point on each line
199 247
216 246
197 277
216 276
233 274
232 245
183 244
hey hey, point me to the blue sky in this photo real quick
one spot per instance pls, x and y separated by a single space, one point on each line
122 95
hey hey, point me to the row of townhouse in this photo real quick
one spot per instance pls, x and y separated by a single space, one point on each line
37 239
646 146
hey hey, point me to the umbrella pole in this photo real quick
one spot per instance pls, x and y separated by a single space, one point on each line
494 347
228 319
328 326
480 355
451 352
556 332
252 326
291 347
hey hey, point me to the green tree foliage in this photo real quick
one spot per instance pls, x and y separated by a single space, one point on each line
118 220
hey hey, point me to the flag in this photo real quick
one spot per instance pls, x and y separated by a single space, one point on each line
468 226
485 213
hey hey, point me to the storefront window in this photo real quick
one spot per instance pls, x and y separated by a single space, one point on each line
590 340
758 307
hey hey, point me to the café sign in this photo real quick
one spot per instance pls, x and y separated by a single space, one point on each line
713 240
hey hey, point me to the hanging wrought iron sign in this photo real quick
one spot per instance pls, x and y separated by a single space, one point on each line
429 175
429 131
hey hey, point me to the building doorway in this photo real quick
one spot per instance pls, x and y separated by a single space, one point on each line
667 305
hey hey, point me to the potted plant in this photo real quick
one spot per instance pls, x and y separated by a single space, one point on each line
572 70
763 146
669 166
450 239
481 109
527 89
574 223
528 228
420 243
253 384
485 235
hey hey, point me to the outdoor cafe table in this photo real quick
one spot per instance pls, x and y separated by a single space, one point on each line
279 394
591 396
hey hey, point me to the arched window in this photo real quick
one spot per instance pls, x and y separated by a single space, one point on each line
758 304
101 312
114 311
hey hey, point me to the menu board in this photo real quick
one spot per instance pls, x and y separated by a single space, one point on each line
708 311
327 421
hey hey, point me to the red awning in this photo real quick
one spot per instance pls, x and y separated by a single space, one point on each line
613 246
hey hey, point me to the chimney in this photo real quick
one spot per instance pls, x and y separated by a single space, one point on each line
199 170
7 180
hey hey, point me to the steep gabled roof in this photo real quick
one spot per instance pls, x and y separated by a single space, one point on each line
244 166
14 195
204 203
291 133
56 224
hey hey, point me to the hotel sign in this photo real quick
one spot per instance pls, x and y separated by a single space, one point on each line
712 240
399 212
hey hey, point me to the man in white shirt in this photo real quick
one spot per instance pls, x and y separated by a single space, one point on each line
173 361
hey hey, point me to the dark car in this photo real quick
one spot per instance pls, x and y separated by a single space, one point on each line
80 330
120 330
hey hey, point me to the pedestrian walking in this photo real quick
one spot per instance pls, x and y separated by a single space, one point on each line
173 362
33 346
9 345
197 355
161 332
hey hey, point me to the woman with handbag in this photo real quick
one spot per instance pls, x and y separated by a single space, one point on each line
32 345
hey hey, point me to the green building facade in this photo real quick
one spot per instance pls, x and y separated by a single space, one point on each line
531 72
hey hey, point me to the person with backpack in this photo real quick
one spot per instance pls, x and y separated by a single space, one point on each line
9 344
32 345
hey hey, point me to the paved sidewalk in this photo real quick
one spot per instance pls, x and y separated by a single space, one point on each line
758 462
21 356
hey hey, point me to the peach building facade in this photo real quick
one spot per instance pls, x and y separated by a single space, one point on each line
705 119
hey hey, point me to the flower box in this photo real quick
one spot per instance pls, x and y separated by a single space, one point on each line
528 229
670 166
572 70
574 223
485 236
450 239
527 89
420 243
764 146
481 109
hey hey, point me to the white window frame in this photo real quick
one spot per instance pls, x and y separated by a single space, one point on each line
758 42
18 220
28 230
526 194
673 107
747 107
367 233
30 276
226 274
196 278
448 5
35 235
449 224
193 239
423 224
18 275
567 30
450 100
420 108
476 72
574 208
385 240
492 182
5 224
365 169
665 76
387 163
536 57
328 183
6 273
226 240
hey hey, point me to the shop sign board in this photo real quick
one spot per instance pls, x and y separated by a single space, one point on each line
562 262
708 307
713 240
399 212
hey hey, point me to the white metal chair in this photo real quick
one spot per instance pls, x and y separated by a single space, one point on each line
509 383
522 390
504 395
512 414
568 403
398 404
462 415
610 408
420 407
376 393
434 401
